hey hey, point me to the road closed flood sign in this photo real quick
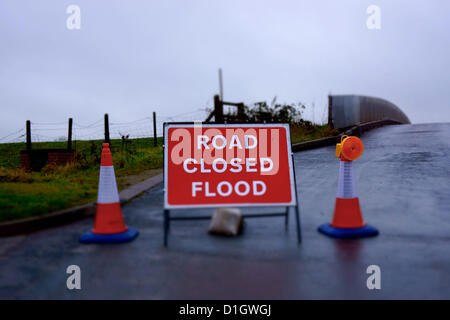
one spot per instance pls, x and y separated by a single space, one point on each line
213 165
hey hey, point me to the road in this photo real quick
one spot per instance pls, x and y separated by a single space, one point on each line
404 189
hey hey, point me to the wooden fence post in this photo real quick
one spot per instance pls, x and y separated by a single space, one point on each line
107 140
241 112
330 112
218 109
155 142
28 135
69 137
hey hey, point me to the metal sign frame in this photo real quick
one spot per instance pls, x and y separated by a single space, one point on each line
294 202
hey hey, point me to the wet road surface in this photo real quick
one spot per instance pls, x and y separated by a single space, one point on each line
403 181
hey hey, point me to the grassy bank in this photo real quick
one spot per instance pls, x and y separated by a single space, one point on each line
24 194
301 133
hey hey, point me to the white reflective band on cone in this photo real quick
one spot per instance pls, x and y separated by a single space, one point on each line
346 182
107 187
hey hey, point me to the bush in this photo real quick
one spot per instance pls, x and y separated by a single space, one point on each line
273 113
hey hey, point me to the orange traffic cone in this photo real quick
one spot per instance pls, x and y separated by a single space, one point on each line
347 220
109 225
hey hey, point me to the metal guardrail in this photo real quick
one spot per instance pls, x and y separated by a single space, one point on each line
353 131
349 110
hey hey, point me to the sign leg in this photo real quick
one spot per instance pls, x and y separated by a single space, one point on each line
166 226
297 206
286 218
297 218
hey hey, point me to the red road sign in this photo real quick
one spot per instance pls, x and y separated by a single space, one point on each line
213 165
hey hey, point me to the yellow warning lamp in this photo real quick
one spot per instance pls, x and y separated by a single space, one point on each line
350 148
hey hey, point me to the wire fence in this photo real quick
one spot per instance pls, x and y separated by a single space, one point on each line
141 128
131 135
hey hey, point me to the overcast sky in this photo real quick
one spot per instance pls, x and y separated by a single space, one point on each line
133 57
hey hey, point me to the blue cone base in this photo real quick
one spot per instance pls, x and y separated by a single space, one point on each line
90 237
348 233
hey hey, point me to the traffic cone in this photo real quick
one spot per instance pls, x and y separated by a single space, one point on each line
109 226
347 220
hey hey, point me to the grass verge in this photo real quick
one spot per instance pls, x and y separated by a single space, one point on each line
24 195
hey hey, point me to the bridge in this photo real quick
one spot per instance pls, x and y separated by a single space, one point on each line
345 111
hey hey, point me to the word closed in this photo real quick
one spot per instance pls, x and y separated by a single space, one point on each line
222 165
